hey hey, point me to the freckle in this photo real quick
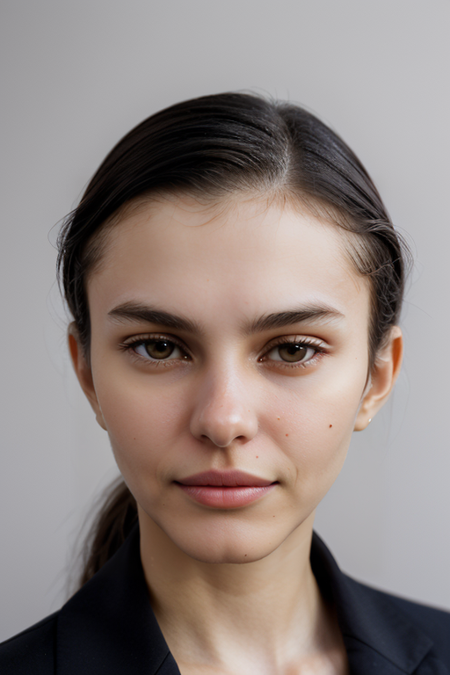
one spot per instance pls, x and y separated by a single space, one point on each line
287 434
331 426
257 456
273 516
278 418
245 555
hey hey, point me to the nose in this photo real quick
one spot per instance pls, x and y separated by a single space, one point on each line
224 410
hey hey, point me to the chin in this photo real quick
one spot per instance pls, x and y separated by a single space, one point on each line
221 554
218 539
216 544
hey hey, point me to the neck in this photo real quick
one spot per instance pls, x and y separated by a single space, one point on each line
261 614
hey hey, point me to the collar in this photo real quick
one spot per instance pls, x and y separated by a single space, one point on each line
378 636
109 628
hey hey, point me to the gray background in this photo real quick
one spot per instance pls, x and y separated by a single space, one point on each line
75 77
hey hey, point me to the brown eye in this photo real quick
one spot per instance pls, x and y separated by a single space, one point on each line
158 349
292 352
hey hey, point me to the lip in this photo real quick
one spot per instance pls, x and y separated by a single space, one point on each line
225 489
230 478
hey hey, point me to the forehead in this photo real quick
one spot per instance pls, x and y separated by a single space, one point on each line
234 257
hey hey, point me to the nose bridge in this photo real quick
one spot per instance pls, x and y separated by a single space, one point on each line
224 408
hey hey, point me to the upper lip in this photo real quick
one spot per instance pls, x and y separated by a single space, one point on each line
230 478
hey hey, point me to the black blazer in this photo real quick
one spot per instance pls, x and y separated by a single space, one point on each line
108 627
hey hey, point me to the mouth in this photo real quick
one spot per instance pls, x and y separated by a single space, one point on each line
225 489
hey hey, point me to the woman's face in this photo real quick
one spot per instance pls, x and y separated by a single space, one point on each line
226 338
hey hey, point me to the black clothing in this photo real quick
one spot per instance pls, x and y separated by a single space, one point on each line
108 627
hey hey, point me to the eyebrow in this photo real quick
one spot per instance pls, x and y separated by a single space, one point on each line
138 312
134 312
317 313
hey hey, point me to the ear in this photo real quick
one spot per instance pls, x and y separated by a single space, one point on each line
83 372
382 379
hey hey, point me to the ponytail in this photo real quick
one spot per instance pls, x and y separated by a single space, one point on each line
110 528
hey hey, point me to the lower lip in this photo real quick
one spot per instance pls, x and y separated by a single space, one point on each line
225 497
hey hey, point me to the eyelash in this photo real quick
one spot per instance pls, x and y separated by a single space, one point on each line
317 345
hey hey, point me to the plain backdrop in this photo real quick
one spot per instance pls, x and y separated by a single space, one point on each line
76 76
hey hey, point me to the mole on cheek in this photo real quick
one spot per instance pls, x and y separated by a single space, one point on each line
287 434
331 426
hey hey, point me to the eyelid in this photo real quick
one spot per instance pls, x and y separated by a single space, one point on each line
309 341
318 345
144 337
137 340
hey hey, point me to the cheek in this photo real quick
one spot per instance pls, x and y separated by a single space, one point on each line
314 429
143 423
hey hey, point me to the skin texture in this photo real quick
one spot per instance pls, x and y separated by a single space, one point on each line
223 399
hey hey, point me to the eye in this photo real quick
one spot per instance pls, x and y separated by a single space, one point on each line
158 349
292 352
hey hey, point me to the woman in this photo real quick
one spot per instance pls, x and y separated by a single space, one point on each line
235 284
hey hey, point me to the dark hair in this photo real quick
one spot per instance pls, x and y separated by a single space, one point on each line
210 147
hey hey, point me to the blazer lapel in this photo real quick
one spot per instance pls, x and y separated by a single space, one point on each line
378 636
109 628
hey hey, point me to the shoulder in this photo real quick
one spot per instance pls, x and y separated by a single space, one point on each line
428 618
431 621
31 651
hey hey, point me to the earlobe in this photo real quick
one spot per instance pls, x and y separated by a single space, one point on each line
83 372
384 374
